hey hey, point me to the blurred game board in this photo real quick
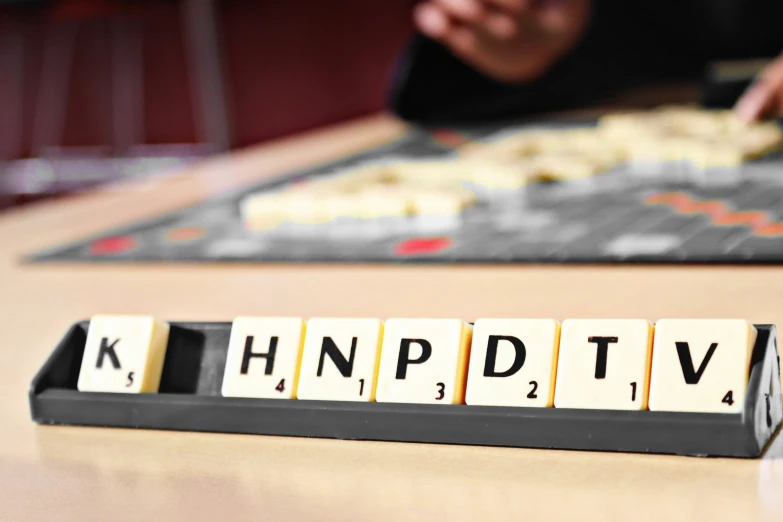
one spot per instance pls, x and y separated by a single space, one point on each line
661 212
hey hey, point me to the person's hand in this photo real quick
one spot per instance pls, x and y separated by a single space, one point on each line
508 40
765 97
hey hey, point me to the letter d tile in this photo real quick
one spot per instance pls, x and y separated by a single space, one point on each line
513 362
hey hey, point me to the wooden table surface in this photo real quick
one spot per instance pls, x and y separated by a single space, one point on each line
64 473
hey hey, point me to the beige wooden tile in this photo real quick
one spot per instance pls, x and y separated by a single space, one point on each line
604 364
701 365
340 359
263 357
424 361
513 362
123 354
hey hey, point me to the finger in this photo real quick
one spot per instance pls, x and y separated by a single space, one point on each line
777 106
500 25
510 6
764 95
756 101
463 41
469 11
557 16
497 23
777 77
435 23
431 20
469 44
774 71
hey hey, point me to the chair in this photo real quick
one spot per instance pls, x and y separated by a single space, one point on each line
65 19
204 59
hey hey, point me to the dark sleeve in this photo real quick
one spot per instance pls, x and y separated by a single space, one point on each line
622 47
434 87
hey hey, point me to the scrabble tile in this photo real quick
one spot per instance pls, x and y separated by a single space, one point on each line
563 167
123 354
264 206
358 178
500 176
342 205
761 139
513 362
378 202
442 202
706 156
424 361
263 357
604 364
306 207
340 359
701 365
263 211
432 175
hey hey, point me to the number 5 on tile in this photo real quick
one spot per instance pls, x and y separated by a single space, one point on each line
123 354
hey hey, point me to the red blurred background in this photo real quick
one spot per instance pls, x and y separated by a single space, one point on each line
69 67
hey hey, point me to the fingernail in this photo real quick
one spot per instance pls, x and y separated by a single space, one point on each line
749 106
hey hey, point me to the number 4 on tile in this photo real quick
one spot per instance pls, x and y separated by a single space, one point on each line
263 357
701 365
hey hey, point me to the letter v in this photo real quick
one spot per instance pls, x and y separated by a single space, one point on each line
686 362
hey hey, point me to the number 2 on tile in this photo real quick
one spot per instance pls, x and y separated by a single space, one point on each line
633 392
532 394
441 391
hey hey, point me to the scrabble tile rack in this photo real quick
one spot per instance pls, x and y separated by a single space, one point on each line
189 400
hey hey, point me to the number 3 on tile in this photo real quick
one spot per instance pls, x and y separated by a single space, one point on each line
441 391
728 398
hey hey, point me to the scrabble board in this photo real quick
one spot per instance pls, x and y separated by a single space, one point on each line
518 192
711 387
